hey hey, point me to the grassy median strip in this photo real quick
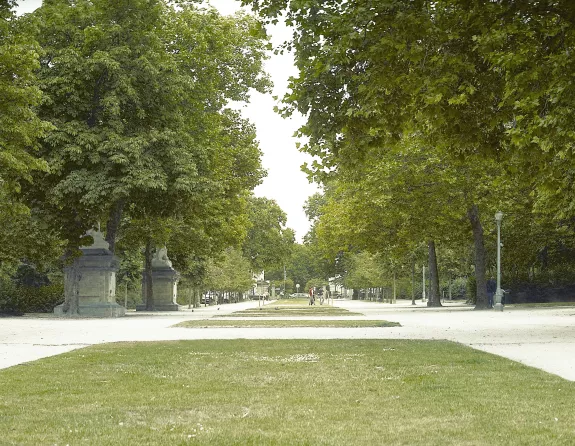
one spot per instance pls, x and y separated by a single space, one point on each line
284 392
293 307
540 305
246 323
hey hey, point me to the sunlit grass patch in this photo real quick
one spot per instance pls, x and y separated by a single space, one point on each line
284 392
283 323
293 307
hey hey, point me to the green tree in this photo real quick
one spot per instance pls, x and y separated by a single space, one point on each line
20 127
137 92
269 242
138 125
372 73
364 270
232 273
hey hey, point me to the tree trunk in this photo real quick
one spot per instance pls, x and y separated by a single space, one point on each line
114 224
482 301
72 290
433 300
355 295
148 288
71 285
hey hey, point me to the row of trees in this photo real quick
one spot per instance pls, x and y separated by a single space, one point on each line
425 117
115 113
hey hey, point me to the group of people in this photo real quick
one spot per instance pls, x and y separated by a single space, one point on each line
312 296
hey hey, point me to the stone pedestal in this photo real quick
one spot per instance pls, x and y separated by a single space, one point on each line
95 273
164 284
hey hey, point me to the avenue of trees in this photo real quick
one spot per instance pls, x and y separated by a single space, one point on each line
424 118
115 114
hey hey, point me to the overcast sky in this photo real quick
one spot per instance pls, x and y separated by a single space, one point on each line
285 182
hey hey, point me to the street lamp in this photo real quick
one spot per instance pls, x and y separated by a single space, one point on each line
498 293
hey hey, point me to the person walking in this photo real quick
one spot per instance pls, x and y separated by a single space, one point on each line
491 288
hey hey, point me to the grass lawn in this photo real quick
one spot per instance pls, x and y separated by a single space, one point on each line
293 307
541 305
244 323
283 392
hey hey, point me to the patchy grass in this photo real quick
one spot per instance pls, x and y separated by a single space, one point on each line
293 307
284 392
246 323
291 302
541 305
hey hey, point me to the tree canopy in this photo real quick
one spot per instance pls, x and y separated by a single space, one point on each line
424 113
269 242
137 93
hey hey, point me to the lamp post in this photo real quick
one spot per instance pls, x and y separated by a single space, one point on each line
498 293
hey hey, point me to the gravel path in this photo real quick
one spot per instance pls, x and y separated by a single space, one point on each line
542 337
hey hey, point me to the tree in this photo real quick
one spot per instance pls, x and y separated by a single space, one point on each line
269 242
373 73
531 44
137 125
364 271
138 93
232 273
20 130
302 265
20 127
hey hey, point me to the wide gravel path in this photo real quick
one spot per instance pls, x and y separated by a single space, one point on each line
542 337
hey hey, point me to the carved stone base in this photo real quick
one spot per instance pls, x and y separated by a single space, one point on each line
165 289
92 280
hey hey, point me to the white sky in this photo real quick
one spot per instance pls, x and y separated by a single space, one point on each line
285 182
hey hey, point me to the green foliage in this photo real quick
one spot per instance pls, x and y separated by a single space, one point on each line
130 293
458 287
15 299
471 289
231 273
314 283
268 243
363 271
20 126
138 92
418 112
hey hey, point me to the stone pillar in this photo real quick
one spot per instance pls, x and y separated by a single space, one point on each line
164 283
95 273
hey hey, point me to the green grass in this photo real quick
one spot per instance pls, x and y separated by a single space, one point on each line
295 308
283 392
244 323
541 305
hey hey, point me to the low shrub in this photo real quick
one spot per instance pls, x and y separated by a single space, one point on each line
17 300
471 290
